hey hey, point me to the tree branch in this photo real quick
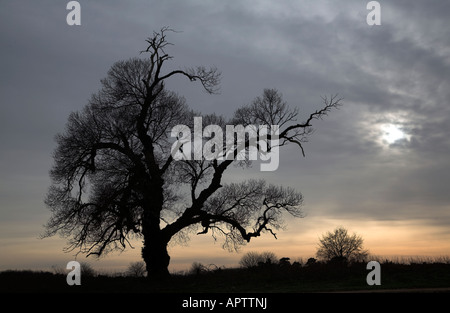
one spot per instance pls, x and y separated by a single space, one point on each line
333 102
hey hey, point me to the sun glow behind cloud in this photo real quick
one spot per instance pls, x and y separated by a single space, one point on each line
393 133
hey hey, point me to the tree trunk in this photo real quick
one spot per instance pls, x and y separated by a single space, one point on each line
156 258
154 251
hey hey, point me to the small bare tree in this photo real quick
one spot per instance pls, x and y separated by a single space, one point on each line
339 245
136 269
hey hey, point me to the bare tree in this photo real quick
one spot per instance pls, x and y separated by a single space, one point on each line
136 269
114 177
339 245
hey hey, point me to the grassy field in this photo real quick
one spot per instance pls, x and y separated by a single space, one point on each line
262 279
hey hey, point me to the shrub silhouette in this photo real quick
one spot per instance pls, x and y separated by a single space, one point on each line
87 270
136 269
253 259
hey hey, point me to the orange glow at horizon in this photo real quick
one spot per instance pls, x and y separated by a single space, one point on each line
383 239
388 239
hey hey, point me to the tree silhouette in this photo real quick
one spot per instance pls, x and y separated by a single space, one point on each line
114 177
341 246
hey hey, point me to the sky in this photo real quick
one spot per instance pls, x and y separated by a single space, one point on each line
379 166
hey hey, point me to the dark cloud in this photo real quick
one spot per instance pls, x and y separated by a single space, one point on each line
396 73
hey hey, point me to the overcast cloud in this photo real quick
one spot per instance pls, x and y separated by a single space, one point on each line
397 73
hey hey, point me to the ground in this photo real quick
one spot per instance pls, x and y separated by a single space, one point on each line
262 279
